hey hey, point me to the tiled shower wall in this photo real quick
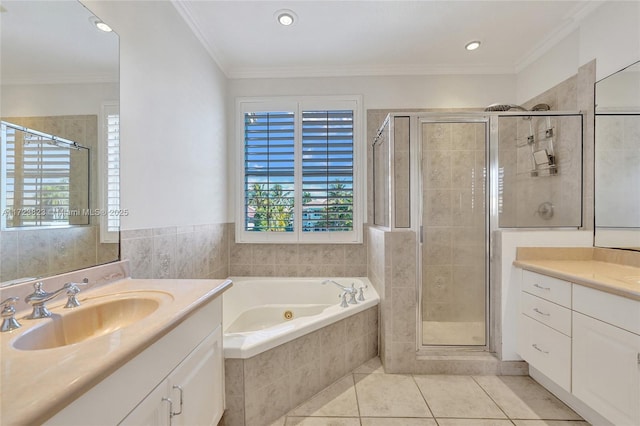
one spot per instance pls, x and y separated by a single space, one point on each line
577 94
388 251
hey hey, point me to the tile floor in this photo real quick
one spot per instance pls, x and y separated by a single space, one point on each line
369 397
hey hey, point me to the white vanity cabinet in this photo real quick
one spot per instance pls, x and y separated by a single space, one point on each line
190 395
187 363
584 341
606 354
544 325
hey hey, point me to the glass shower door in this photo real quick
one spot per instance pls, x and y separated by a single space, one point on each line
454 232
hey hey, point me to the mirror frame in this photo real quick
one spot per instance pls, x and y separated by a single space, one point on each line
610 236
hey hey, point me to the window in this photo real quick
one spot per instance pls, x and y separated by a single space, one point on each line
110 174
299 175
37 177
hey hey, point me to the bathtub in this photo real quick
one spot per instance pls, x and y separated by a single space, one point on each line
262 313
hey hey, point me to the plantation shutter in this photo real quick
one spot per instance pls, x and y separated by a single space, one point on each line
269 164
327 171
37 180
113 172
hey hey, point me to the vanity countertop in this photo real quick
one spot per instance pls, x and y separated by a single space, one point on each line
614 278
36 384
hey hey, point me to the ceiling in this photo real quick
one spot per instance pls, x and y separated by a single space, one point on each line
328 38
369 37
54 42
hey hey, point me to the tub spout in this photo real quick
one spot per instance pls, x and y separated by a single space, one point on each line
350 290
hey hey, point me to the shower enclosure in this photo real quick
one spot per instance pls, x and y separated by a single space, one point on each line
454 179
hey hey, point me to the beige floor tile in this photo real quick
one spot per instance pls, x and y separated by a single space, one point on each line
520 397
389 395
374 365
550 423
337 400
474 422
396 421
323 421
458 397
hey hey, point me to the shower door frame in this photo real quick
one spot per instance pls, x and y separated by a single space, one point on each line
490 221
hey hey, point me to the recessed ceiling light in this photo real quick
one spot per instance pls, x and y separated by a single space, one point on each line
285 17
99 24
472 45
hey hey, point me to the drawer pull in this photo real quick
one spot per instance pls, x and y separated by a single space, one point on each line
538 311
541 287
535 346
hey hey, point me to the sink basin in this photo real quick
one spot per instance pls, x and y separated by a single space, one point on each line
86 322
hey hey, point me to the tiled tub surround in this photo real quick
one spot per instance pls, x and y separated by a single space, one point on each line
263 313
297 260
263 388
199 251
210 251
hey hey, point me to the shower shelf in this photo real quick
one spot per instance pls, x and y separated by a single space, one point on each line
538 137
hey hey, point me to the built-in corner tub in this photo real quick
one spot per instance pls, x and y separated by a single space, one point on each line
285 339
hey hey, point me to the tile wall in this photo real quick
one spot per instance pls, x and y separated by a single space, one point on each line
199 251
261 389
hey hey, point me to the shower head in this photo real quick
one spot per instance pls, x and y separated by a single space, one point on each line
503 107
541 107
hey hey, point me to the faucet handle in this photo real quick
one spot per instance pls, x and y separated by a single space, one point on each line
9 321
361 295
344 303
352 294
72 292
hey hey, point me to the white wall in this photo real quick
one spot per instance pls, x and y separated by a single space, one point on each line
610 34
173 106
56 99
402 92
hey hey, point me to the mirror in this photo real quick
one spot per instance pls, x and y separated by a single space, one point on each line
617 160
59 80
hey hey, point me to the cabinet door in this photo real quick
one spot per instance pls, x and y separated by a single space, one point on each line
606 369
199 381
152 411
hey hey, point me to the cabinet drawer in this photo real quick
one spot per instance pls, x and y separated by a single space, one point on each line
555 316
546 349
551 289
612 309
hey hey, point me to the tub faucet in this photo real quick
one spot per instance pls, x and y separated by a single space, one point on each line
346 290
350 290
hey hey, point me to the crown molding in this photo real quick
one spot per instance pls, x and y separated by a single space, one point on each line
369 71
49 78
192 22
573 19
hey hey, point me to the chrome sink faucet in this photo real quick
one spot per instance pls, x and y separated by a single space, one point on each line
39 297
